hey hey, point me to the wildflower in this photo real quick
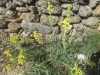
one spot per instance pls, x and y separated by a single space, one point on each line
50 6
92 64
65 24
8 66
81 57
37 36
76 71
11 59
21 57
8 53
14 39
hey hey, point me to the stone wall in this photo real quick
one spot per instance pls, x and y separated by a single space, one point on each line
25 16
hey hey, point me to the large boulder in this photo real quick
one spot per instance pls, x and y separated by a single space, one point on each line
47 20
41 28
93 3
30 17
96 12
85 11
92 22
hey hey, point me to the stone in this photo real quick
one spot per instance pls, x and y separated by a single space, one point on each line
56 30
92 22
41 28
96 12
18 2
3 24
30 17
26 33
98 27
78 27
64 5
60 20
76 35
65 0
64 12
88 30
11 14
55 2
75 7
27 1
14 27
45 19
3 2
85 11
93 3
11 6
3 10
42 7
75 19
22 9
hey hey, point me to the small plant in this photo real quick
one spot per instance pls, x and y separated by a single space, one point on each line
66 25
16 41
76 70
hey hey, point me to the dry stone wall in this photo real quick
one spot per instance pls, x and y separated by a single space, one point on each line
26 16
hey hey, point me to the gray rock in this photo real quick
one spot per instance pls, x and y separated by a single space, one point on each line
11 5
93 3
27 1
44 29
55 2
96 12
42 6
60 20
18 2
11 14
78 27
64 12
88 30
64 5
14 27
75 19
26 33
3 24
3 2
91 22
65 0
85 11
75 7
45 19
3 10
22 9
30 17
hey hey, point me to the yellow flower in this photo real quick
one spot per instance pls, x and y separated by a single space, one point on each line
8 66
14 39
8 53
92 64
36 36
21 57
11 59
50 6
76 71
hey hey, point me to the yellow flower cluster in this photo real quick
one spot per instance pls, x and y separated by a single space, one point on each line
8 53
14 39
8 66
50 6
65 24
76 71
21 57
36 36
